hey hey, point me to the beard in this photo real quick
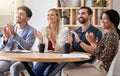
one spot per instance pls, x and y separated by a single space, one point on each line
20 21
83 20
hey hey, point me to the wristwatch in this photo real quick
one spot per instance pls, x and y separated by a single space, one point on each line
79 42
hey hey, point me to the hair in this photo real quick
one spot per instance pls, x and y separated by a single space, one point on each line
89 10
114 17
27 10
58 22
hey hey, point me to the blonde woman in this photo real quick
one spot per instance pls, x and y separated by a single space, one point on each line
53 37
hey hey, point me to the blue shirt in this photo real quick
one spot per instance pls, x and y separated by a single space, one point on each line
81 35
25 40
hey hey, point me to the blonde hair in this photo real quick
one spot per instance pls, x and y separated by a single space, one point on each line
58 23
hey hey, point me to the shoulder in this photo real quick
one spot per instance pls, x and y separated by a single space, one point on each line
63 29
96 32
113 34
29 27
95 29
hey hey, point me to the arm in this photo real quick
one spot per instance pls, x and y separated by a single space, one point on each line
39 36
6 38
110 44
2 43
61 38
86 47
28 41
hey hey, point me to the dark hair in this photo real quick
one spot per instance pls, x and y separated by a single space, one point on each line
89 10
27 10
114 17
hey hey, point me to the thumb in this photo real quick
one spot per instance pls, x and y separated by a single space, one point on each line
97 39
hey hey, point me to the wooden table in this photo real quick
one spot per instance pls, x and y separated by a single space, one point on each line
41 57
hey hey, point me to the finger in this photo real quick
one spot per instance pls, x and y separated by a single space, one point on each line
97 39
86 34
73 32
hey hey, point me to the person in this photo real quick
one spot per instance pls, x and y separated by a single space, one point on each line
53 36
104 51
84 17
17 37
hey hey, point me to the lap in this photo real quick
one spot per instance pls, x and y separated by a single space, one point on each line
82 71
5 65
19 65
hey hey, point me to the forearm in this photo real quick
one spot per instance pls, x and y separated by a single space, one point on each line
87 48
25 44
6 44
2 43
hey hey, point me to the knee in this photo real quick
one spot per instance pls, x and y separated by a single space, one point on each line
34 69
13 67
64 72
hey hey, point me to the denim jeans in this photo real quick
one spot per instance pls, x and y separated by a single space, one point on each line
17 67
4 66
43 68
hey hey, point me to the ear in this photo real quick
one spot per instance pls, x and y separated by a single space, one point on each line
91 15
27 19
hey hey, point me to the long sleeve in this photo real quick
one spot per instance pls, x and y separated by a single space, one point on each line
1 43
27 42
8 44
24 41
64 32
107 48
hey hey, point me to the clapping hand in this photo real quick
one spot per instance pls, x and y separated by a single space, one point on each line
39 36
91 38
76 36
69 39
6 32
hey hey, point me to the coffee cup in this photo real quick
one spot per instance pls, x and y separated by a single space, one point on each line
41 48
66 48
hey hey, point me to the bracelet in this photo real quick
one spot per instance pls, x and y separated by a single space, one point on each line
4 42
79 42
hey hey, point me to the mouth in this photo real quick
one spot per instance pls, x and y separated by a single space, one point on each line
81 18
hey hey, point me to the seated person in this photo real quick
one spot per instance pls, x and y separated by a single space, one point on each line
84 17
17 37
53 36
104 51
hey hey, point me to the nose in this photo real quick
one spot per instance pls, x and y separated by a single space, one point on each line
17 15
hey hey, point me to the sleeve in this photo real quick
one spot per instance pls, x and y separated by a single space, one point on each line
8 44
64 32
110 48
27 43
1 43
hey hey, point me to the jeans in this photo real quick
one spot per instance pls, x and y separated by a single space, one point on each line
17 67
4 66
43 68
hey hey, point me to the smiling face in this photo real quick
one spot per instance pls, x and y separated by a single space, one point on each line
21 16
105 22
83 16
52 17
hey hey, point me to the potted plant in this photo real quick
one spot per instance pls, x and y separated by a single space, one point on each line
100 3
65 16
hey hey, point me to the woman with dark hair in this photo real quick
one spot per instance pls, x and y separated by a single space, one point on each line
104 51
